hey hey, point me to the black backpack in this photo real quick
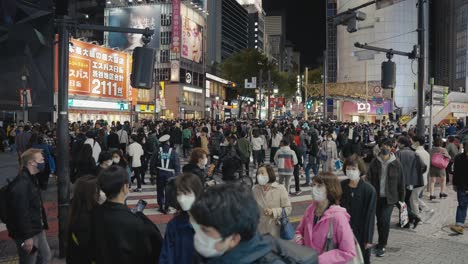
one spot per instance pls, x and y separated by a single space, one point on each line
4 198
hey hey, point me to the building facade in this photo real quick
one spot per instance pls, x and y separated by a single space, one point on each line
256 28
227 29
275 29
331 44
391 27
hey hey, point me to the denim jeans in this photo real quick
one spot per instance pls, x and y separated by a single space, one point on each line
311 165
462 197
42 254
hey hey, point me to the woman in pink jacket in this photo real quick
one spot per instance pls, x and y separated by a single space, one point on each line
324 210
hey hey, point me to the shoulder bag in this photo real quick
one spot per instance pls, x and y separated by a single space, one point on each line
286 228
330 245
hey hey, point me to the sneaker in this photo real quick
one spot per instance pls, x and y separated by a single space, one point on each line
443 195
457 229
305 185
298 192
380 252
137 190
432 197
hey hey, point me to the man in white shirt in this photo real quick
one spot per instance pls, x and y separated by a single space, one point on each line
135 151
123 138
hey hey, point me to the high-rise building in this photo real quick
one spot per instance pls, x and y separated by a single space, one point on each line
390 26
459 73
228 29
275 29
331 47
256 27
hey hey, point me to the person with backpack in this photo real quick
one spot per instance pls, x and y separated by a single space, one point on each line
245 150
230 160
313 159
167 167
217 138
225 219
26 218
285 159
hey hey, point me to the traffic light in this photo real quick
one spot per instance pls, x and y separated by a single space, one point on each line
309 103
388 74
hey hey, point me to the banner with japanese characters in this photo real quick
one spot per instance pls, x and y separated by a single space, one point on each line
96 71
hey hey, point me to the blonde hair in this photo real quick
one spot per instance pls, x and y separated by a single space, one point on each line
29 155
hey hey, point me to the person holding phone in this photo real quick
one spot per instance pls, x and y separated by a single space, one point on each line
178 240
118 234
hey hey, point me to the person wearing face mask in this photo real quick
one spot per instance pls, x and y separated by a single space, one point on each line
328 149
105 161
320 216
359 198
26 215
225 219
178 241
119 160
119 235
86 197
197 163
386 175
271 198
352 147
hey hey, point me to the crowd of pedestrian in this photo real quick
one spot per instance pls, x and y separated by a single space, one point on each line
387 166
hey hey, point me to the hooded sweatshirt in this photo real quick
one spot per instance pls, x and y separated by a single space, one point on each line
384 173
315 235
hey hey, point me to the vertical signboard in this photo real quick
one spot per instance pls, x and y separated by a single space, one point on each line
176 26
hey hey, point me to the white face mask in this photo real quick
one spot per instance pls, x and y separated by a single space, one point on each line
186 200
353 175
102 197
108 163
262 179
319 193
116 160
204 244
205 161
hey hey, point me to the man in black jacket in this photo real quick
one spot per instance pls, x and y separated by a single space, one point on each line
119 235
26 215
460 185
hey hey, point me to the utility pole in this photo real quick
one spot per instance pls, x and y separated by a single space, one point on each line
24 94
63 163
269 93
430 113
421 42
260 83
305 93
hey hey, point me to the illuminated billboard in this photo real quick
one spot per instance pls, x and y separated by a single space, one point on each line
148 16
95 71
192 40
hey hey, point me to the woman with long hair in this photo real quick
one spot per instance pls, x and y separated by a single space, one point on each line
85 199
85 163
435 172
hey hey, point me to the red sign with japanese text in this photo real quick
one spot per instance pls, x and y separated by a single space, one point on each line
280 102
96 71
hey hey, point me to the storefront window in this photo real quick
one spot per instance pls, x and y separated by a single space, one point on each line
192 99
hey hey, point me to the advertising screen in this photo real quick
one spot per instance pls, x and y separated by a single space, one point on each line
133 17
192 40
95 71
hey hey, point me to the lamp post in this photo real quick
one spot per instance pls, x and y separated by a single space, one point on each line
25 97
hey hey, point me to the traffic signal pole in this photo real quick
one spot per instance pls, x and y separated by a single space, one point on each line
421 60
306 100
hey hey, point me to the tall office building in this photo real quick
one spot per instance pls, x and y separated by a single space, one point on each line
331 47
460 46
256 27
275 29
228 29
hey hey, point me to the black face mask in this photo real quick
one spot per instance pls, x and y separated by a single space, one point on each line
385 151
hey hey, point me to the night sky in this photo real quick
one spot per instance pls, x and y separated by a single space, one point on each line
305 26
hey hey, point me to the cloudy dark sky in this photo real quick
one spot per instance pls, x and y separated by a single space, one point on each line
305 26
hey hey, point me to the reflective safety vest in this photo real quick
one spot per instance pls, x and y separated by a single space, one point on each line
165 160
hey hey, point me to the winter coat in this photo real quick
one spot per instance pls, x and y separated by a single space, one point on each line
96 148
394 181
178 241
78 250
244 149
315 235
329 147
412 167
285 159
195 170
135 151
120 236
26 214
176 136
360 203
460 176
275 198
246 252
426 159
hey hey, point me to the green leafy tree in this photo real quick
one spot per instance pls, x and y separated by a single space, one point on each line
247 64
